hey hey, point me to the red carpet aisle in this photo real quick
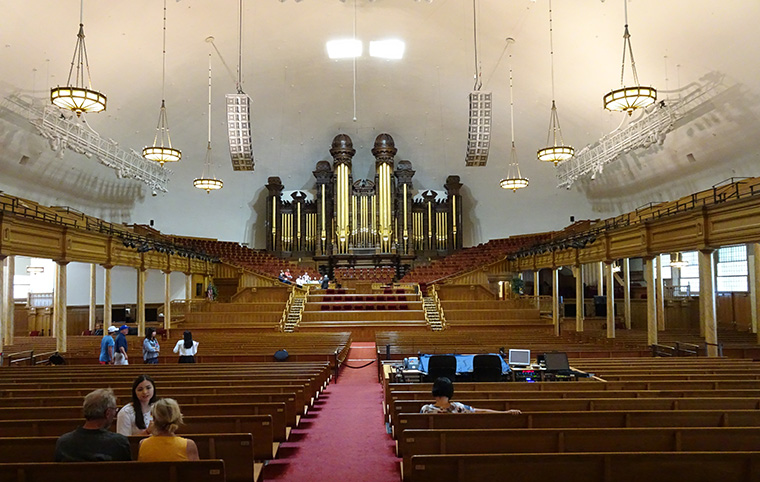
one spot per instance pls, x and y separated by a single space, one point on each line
343 437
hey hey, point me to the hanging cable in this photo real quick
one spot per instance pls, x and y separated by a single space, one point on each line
354 64
478 82
240 49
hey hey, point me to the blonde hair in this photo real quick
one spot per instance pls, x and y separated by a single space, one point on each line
166 414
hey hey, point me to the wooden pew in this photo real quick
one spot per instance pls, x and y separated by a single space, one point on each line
611 419
197 471
507 441
260 426
275 410
589 467
236 449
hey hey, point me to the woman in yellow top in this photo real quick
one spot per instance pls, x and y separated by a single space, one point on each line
163 445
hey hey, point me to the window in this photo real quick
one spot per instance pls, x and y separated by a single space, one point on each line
732 271
690 273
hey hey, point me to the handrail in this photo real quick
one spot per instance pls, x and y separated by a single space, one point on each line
286 310
12 361
41 358
719 345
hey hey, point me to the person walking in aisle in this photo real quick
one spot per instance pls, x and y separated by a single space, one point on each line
187 348
150 347
107 346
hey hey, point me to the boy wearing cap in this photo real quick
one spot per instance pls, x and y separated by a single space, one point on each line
120 357
107 347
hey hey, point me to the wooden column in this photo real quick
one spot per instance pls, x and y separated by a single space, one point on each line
579 302
188 287
107 305
600 280
537 288
93 298
167 299
754 284
707 312
660 284
59 310
9 306
626 267
651 301
2 306
140 316
555 300
610 299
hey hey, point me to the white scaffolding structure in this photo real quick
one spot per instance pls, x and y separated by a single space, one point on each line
656 121
72 133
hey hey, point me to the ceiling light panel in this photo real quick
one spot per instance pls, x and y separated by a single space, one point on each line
392 49
344 48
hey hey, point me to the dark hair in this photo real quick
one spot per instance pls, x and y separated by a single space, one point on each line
136 405
442 387
188 340
149 333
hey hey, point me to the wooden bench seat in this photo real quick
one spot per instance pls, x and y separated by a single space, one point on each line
236 450
606 419
260 426
589 467
197 471
507 441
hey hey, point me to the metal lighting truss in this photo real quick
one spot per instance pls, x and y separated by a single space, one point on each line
63 132
656 121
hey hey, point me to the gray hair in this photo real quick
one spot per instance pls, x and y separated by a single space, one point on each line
96 403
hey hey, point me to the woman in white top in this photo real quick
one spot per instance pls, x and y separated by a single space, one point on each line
134 418
187 348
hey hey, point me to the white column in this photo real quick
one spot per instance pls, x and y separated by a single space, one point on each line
651 301
660 284
610 299
555 300
579 302
167 299
140 316
2 306
707 312
59 313
626 292
107 314
600 280
188 286
754 283
93 297
8 305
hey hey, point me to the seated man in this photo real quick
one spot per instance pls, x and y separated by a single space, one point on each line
443 390
93 442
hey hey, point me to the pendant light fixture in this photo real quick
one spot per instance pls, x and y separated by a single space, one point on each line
677 261
239 114
514 179
208 181
555 151
628 99
479 131
79 97
162 151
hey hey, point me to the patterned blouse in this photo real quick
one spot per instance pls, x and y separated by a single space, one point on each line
454 407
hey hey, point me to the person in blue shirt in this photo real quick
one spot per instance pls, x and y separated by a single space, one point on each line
107 346
120 356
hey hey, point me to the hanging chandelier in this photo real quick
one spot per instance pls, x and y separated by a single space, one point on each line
514 179
555 151
628 99
77 97
677 261
208 181
162 151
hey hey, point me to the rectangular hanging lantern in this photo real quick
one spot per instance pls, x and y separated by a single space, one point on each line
239 131
479 133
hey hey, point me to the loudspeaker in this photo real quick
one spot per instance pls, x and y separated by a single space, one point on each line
479 133
239 131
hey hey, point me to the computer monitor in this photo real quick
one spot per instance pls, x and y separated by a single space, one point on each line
556 362
519 357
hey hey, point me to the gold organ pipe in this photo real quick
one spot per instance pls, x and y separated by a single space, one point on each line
324 221
298 224
274 222
353 219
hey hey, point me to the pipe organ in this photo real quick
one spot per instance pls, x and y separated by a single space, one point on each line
344 218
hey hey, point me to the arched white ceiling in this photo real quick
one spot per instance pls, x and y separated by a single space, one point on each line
301 100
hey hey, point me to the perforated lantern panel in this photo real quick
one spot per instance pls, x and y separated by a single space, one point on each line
239 131
479 132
